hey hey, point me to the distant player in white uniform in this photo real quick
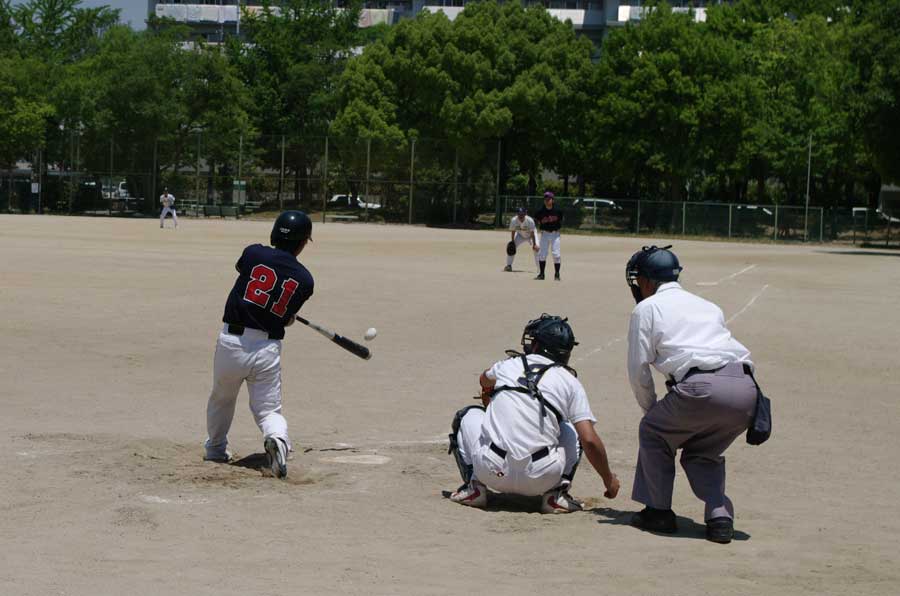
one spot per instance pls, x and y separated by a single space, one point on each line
167 200
521 228
528 438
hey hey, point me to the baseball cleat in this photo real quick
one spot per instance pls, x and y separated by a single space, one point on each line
473 494
556 277
276 453
508 268
560 501
540 276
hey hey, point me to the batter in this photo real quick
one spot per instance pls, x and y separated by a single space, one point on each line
271 287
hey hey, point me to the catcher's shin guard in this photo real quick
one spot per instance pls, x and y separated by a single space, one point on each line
568 478
465 470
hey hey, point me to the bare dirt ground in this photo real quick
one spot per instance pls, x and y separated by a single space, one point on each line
108 328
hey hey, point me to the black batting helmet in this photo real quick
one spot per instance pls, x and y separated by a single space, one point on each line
290 229
553 335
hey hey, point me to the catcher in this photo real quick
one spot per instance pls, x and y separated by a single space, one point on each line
536 419
521 229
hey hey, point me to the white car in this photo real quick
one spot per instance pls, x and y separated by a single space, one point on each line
350 202
591 204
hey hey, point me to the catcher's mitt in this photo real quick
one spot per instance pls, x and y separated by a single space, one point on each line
510 248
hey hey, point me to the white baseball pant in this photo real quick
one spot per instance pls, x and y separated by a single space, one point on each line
549 243
521 240
520 477
254 358
166 211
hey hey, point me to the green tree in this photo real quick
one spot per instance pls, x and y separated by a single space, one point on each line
496 73
290 63
875 48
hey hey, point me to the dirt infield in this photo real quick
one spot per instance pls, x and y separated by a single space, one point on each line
108 330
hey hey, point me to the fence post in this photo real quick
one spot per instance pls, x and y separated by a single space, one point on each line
683 217
729 219
821 224
111 182
281 175
41 181
197 190
455 183
637 220
887 240
775 232
368 165
412 170
153 174
497 215
324 180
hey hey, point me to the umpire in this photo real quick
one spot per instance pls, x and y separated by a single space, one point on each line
710 400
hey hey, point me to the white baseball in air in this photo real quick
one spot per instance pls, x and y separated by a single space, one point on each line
371 333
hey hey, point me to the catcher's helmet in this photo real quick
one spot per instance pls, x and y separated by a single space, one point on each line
290 229
553 335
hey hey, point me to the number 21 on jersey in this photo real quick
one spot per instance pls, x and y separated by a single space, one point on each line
262 281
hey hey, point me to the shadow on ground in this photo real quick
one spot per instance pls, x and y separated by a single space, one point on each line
687 528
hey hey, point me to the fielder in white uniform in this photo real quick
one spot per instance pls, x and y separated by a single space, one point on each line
167 200
521 228
529 437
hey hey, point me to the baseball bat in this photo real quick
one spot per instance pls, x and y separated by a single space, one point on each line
348 344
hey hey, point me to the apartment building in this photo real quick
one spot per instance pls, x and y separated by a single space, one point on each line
214 20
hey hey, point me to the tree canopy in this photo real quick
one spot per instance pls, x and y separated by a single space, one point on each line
668 107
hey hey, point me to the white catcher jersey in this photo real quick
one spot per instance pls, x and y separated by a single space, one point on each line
514 420
523 228
167 200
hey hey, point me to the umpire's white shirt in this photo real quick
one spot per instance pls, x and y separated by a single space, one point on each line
524 228
514 421
676 331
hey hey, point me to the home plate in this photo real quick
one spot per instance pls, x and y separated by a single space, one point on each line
370 460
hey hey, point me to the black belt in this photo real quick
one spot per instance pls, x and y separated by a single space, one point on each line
696 371
239 330
539 454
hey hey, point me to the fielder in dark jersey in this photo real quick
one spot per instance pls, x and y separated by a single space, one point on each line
271 288
549 220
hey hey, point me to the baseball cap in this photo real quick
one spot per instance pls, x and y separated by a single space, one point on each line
521 211
548 195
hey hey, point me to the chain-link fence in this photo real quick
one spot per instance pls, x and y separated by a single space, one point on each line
421 181
647 218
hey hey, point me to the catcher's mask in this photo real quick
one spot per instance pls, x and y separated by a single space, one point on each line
652 262
549 336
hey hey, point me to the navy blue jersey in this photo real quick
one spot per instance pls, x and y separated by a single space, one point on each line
271 288
548 220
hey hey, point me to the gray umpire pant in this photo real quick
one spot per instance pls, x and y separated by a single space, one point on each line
702 415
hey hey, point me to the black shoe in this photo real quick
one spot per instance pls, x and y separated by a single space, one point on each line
540 276
720 529
556 277
655 520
